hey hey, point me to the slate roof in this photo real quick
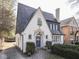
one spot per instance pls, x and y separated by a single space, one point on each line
68 22
24 15
57 32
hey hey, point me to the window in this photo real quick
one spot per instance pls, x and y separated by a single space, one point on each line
51 26
39 22
54 27
55 38
46 36
59 38
30 37
52 38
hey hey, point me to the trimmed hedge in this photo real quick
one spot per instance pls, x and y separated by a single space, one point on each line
65 51
77 43
30 48
73 47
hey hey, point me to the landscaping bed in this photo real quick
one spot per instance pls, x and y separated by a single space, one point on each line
67 51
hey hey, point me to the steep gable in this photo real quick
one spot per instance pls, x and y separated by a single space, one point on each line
69 22
73 23
33 23
24 15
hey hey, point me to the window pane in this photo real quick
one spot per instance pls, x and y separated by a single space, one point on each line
54 27
30 36
39 22
51 26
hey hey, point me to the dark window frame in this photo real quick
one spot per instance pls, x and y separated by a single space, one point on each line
46 36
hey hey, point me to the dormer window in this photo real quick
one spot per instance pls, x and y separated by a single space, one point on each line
51 26
56 27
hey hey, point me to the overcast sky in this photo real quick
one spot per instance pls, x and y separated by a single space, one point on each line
50 6
74 5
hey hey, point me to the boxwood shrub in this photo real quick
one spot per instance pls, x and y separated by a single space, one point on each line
73 47
77 43
30 48
65 51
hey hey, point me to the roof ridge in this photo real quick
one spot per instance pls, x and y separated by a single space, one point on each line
35 8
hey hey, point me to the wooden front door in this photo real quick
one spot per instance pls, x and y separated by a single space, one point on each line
38 41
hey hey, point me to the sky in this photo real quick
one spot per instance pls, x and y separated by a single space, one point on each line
74 5
51 5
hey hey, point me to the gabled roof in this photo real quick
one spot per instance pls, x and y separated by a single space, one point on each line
69 22
77 21
24 15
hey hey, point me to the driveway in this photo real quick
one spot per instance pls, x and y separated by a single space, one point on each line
14 53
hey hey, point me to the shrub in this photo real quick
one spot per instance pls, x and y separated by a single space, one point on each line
48 44
77 43
30 47
74 47
65 51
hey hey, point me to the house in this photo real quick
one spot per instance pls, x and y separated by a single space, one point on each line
69 27
77 35
35 25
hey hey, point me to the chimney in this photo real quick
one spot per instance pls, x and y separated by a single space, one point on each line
58 14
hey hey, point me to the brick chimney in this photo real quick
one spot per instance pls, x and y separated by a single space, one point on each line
57 13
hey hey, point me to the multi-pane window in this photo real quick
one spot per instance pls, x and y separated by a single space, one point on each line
30 36
54 27
56 38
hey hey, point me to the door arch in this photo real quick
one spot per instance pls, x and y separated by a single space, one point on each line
38 37
38 41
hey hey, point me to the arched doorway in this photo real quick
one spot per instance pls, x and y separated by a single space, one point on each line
38 41
39 38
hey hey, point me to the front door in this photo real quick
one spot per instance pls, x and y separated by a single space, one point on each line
38 41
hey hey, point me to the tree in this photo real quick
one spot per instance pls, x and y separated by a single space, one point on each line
6 22
7 18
